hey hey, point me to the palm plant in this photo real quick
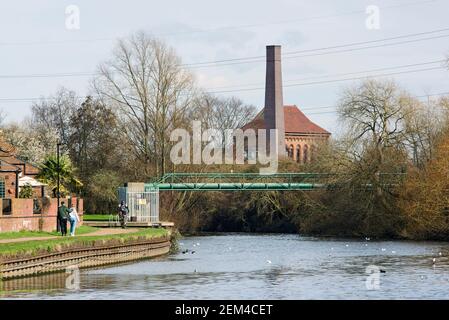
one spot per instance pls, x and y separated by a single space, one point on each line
48 174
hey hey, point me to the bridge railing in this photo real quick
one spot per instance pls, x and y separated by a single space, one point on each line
255 181
239 177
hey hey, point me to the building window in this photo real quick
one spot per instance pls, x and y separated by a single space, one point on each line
313 152
298 153
306 154
7 207
2 187
290 152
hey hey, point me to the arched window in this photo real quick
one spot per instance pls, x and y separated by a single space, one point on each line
306 154
298 153
245 148
290 152
313 152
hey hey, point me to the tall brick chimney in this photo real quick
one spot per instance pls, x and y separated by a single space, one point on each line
274 104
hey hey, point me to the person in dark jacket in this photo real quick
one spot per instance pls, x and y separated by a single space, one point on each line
63 216
123 214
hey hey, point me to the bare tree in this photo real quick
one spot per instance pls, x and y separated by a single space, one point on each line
423 197
2 117
54 112
145 82
222 113
424 122
375 119
373 113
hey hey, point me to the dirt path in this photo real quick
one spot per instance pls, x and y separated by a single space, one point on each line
101 232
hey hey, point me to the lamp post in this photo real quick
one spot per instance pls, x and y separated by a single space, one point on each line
58 227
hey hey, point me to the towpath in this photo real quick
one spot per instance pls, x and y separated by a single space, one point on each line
100 232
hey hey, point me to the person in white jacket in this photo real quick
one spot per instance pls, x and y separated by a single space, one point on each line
74 219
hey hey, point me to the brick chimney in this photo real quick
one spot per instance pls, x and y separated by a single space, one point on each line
274 104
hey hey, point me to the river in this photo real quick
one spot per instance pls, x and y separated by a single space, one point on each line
271 266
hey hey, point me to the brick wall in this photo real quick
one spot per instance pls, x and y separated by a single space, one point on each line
23 218
10 184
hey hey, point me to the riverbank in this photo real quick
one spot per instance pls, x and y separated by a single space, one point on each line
295 233
34 257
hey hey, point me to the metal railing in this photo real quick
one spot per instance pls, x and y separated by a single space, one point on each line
113 220
143 205
255 181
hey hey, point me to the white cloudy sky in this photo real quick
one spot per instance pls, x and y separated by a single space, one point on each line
34 40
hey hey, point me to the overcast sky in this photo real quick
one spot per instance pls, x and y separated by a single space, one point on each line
34 40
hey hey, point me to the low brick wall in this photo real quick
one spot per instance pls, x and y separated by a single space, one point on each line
23 218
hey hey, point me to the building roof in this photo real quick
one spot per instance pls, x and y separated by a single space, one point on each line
26 180
26 167
295 121
6 149
9 162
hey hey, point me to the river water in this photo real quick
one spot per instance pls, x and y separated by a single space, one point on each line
244 266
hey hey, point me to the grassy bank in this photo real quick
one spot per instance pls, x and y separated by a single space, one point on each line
96 217
29 234
49 245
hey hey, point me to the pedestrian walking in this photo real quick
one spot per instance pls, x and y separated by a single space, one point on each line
74 220
123 214
63 216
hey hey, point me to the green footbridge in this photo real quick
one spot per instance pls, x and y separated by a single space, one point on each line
251 181
143 198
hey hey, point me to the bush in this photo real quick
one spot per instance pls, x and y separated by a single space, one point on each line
26 192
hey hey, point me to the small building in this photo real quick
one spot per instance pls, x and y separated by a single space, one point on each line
38 213
14 173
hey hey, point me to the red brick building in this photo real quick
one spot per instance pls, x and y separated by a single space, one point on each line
21 214
301 135
297 135
12 170
17 214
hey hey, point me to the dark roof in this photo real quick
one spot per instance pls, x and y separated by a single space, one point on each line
8 160
295 122
257 123
26 167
